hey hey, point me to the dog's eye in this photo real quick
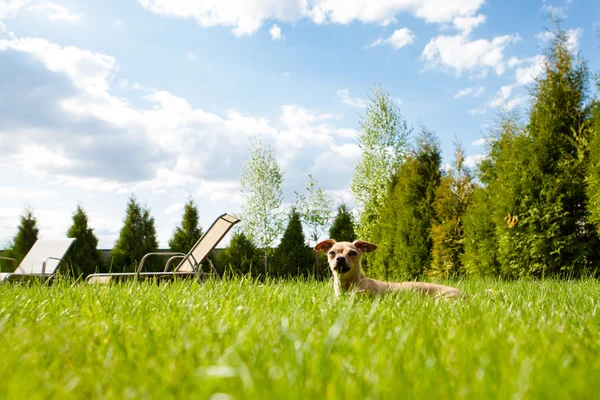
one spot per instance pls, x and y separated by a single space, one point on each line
352 253
331 253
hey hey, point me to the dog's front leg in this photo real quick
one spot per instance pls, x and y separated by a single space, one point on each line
337 286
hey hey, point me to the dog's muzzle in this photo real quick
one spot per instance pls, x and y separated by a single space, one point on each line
341 265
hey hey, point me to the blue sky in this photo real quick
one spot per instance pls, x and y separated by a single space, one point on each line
101 99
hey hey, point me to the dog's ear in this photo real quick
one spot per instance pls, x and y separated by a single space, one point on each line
363 246
325 245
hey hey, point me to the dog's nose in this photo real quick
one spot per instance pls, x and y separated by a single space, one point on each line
340 262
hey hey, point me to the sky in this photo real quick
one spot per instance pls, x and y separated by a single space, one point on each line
103 99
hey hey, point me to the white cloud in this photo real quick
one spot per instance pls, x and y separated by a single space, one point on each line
478 111
472 161
514 102
55 12
479 142
219 190
474 92
502 100
573 36
9 8
544 36
138 87
25 194
306 134
342 196
191 56
175 208
460 54
275 32
554 11
463 93
468 23
344 94
477 92
80 129
400 38
502 96
286 74
528 69
246 18
89 71
2 27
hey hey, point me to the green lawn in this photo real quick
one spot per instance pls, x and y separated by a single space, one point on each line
293 340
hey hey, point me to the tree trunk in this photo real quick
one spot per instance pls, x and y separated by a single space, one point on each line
266 264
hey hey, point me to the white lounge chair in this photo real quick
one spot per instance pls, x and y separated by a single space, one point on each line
41 262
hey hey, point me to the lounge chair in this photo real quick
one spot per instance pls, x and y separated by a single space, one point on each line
190 264
41 262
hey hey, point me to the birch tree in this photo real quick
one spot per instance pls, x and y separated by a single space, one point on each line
315 209
383 141
261 183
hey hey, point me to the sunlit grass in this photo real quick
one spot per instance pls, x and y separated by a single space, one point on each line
293 340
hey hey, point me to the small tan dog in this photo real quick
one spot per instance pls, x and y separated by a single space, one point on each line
344 261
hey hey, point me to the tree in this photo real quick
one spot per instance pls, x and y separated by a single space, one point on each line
495 172
136 239
186 235
545 231
27 235
383 141
315 210
240 257
480 245
452 198
402 232
292 256
83 256
342 229
593 176
261 188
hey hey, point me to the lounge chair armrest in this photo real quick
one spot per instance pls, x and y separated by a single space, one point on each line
168 253
44 266
171 259
11 259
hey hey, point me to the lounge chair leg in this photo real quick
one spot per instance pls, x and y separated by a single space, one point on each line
213 269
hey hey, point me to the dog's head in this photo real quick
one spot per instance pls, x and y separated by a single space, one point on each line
344 257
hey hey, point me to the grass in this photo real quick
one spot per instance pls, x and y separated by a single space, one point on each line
289 340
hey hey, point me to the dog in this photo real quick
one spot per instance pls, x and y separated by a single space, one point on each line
344 261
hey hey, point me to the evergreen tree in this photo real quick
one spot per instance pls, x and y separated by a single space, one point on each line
480 245
137 238
342 229
83 256
402 233
545 231
240 257
27 235
293 256
497 172
593 176
186 235
452 198
383 141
